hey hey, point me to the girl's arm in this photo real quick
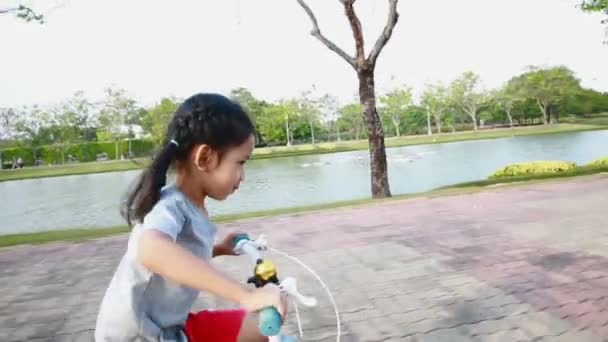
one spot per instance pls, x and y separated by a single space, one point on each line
161 255
217 251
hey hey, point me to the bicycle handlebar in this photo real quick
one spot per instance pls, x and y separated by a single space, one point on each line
270 320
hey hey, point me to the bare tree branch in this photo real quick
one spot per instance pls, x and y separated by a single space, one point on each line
316 32
24 13
9 10
355 25
393 17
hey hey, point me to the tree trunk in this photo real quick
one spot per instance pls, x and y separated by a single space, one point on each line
116 149
365 72
543 109
429 131
396 124
438 122
552 114
258 136
312 132
508 111
474 118
375 135
287 130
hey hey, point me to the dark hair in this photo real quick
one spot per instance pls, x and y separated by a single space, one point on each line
210 119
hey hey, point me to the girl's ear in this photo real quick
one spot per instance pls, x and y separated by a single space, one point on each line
205 158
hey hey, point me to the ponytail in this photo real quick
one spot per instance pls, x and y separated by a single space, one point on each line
146 193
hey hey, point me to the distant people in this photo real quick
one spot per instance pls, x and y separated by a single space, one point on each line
17 163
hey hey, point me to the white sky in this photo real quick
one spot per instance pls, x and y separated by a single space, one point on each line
180 47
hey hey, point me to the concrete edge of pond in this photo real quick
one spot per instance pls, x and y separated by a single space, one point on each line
80 235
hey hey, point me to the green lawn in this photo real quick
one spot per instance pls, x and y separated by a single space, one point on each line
70 169
307 149
458 189
595 119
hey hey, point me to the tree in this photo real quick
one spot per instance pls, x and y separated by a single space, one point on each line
70 121
435 100
364 68
113 117
596 6
415 118
29 123
290 112
36 126
394 104
60 125
157 118
8 121
253 106
274 123
507 98
465 94
308 110
78 114
586 101
547 86
328 107
350 118
25 13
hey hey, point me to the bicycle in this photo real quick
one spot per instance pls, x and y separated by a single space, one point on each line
264 272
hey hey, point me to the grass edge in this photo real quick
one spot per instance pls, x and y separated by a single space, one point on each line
83 234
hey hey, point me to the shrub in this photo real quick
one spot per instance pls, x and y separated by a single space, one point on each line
532 168
601 162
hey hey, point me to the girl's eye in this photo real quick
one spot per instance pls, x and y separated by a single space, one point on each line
242 162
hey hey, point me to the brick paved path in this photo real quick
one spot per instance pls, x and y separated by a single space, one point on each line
516 264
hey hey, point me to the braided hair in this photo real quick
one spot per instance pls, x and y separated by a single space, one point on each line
210 119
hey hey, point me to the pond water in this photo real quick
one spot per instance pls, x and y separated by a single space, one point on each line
93 200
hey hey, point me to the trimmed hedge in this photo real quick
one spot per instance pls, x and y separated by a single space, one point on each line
532 168
83 152
547 168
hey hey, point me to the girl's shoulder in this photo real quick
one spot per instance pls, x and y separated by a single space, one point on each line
169 214
176 212
177 202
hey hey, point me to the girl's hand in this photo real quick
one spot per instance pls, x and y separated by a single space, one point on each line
225 247
267 296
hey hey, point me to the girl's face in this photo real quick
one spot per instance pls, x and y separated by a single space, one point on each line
219 176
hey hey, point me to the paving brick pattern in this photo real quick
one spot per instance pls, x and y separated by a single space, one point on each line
528 263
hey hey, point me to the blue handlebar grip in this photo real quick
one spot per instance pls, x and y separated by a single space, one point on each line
238 238
270 322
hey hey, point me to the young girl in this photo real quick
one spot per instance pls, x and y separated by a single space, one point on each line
209 139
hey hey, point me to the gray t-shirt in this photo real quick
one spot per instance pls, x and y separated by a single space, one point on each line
140 305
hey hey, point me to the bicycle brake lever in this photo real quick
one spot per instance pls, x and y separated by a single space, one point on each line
289 286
